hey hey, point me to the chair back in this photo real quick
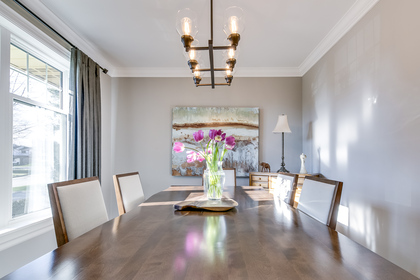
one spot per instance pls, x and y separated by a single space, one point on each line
77 207
129 191
285 187
320 199
230 177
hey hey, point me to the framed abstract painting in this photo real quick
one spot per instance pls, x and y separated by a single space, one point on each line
240 122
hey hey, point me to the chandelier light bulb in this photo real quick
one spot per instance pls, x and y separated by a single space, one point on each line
233 26
197 73
228 73
192 54
186 23
186 26
231 53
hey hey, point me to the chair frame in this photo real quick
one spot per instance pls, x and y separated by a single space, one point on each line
57 213
291 202
335 202
120 202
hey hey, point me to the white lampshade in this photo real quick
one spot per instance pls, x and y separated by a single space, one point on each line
282 125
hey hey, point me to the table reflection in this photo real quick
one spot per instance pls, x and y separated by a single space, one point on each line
209 243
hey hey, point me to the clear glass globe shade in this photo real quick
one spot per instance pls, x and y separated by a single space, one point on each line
186 22
234 20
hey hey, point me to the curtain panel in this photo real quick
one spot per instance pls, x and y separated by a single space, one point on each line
85 117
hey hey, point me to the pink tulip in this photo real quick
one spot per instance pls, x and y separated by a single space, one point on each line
191 156
212 133
179 147
200 157
230 142
198 136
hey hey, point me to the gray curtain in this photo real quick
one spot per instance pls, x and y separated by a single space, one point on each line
85 117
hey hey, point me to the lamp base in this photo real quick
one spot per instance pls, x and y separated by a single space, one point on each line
283 169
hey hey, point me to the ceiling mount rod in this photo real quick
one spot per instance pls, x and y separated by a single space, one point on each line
211 62
211 20
211 45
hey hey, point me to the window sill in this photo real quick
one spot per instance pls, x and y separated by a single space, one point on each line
22 230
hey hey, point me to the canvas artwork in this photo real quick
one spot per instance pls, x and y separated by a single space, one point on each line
242 123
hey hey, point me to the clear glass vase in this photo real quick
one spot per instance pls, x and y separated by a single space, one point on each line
214 181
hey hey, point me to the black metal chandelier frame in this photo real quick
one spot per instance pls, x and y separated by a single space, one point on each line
233 38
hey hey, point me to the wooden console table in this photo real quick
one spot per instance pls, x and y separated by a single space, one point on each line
267 180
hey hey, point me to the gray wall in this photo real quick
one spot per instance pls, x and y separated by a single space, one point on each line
143 118
361 125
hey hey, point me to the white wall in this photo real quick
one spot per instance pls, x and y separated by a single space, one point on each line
143 112
361 125
14 257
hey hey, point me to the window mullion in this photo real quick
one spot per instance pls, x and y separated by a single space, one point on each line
6 124
39 104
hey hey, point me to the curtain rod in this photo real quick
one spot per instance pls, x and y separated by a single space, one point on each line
52 29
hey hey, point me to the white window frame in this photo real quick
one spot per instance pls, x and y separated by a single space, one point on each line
16 29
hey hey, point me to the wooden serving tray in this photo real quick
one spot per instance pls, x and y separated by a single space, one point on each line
224 204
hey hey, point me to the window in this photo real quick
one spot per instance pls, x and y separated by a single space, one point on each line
39 130
34 102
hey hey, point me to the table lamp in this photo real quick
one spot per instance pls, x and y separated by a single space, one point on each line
282 127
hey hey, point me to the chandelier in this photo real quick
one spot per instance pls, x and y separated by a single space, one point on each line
186 26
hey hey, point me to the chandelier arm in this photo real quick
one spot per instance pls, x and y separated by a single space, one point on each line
208 69
217 84
224 47
197 48
214 48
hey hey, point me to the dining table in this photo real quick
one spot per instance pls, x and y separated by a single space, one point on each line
261 238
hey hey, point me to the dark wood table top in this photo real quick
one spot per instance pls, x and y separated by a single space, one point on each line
262 238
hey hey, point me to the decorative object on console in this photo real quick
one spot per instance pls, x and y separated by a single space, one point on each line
282 127
265 167
242 123
213 153
187 27
302 166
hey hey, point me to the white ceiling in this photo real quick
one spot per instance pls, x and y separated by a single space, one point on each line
138 38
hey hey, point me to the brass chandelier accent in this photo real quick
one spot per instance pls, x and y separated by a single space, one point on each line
187 28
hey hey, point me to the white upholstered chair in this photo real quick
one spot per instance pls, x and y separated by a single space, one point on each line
77 207
285 187
129 191
320 199
230 177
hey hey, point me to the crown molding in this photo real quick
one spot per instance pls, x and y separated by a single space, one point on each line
39 8
350 18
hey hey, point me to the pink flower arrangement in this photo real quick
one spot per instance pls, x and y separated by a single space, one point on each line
214 151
